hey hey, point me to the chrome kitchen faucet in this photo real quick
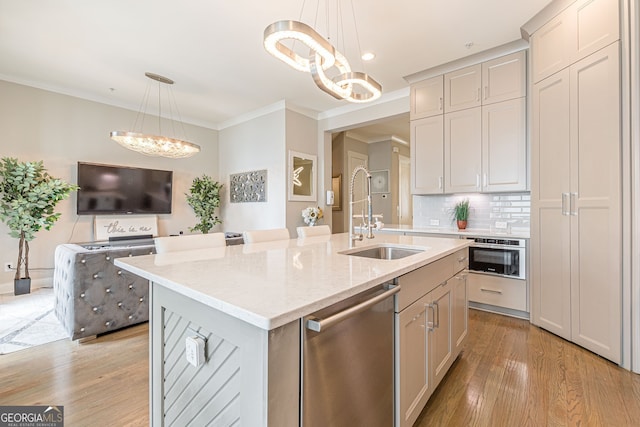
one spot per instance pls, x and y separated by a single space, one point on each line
370 225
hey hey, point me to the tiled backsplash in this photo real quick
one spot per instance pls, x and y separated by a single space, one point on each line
485 210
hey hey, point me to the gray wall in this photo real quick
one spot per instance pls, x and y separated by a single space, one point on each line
62 130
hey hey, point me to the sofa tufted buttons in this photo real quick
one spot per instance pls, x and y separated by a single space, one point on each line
119 272
82 295
141 299
130 254
95 309
108 257
107 324
119 304
130 317
81 329
108 290
95 276
83 261
130 287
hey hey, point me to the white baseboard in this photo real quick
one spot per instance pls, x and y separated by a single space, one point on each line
45 282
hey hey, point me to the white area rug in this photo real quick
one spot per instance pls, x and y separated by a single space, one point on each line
28 320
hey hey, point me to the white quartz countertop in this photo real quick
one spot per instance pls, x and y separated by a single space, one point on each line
471 232
271 284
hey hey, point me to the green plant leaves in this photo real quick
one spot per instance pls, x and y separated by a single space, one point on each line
204 199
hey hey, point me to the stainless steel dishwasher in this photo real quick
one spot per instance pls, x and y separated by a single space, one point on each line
347 362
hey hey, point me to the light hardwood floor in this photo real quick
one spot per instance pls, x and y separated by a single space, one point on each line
510 374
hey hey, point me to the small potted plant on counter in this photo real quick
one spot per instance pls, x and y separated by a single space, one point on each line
204 199
460 213
28 196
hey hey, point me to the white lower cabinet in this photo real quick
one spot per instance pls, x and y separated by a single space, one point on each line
431 331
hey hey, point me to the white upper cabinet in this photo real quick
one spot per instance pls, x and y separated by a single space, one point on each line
427 98
463 151
427 154
462 88
582 29
504 78
504 146
479 143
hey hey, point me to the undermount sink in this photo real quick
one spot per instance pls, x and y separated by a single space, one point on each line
383 252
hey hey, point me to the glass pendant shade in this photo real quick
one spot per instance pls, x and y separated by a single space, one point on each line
155 145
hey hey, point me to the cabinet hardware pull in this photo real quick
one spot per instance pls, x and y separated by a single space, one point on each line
486 92
440 182
478 96
437 310
319 325
478 180
440 105
573 197
431 324
565 212
493 291
463 258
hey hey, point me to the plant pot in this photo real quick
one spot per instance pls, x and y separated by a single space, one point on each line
22 286
461 224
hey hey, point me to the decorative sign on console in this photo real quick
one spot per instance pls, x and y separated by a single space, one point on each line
122 226
248 187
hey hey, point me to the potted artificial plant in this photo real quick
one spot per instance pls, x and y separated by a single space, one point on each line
204 198
28 196
460 213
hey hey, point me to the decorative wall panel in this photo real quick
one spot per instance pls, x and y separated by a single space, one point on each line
248 187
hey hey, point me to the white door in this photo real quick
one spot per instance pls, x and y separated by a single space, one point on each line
354 160
596 279
550 221
405 207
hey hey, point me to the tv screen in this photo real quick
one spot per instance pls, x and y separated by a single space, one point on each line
110 190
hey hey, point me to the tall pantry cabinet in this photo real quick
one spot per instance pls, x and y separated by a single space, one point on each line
576 227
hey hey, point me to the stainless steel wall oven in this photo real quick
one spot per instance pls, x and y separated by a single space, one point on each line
503 257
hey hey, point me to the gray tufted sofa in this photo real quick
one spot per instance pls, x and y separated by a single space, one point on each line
92 295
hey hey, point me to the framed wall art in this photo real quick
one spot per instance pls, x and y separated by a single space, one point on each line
336 187
302 177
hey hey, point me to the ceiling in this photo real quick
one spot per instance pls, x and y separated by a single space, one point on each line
212 49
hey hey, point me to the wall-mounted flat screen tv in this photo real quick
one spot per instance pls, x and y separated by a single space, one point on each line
120 190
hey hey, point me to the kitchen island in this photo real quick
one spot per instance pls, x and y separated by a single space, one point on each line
246 302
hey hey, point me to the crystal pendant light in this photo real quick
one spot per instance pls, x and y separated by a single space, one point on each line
155 145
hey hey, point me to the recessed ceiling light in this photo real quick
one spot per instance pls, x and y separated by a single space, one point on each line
368 56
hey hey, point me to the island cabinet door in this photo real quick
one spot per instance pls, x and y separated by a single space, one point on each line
414 388
439 325
460 312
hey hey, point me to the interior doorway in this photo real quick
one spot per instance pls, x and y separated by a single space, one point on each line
383 142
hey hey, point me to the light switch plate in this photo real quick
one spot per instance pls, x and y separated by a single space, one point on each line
434 222
194 350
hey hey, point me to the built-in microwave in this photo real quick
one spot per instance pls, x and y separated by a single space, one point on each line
503 257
